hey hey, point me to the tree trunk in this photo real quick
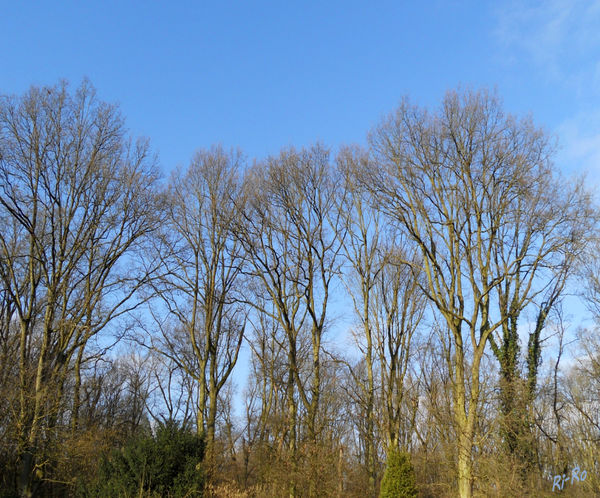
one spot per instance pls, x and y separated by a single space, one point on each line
292 416
76 392
210 425
465 438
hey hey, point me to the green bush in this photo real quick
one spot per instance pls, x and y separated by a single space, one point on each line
399 476
166 464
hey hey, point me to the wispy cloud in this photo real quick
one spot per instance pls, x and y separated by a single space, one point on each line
560 40
580 139
555 35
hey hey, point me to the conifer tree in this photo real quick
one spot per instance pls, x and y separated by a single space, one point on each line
399 477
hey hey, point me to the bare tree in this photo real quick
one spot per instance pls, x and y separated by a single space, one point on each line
80 197
289 229
400 307
363 253
388 304
203 328
450 179
538 247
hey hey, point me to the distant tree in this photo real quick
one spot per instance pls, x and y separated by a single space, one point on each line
363 252
388 305
291 233
202 324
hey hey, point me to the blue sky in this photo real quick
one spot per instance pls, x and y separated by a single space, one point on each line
263 75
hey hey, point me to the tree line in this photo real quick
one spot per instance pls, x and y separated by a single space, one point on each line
451 242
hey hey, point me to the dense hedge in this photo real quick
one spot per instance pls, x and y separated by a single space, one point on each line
167 463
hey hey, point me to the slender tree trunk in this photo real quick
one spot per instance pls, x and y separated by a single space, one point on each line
210 424
77 392
24 408
340 474
370 442
39 400
292 418
200 425
465 439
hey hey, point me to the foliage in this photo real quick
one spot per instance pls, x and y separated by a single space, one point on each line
167 463
399 477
